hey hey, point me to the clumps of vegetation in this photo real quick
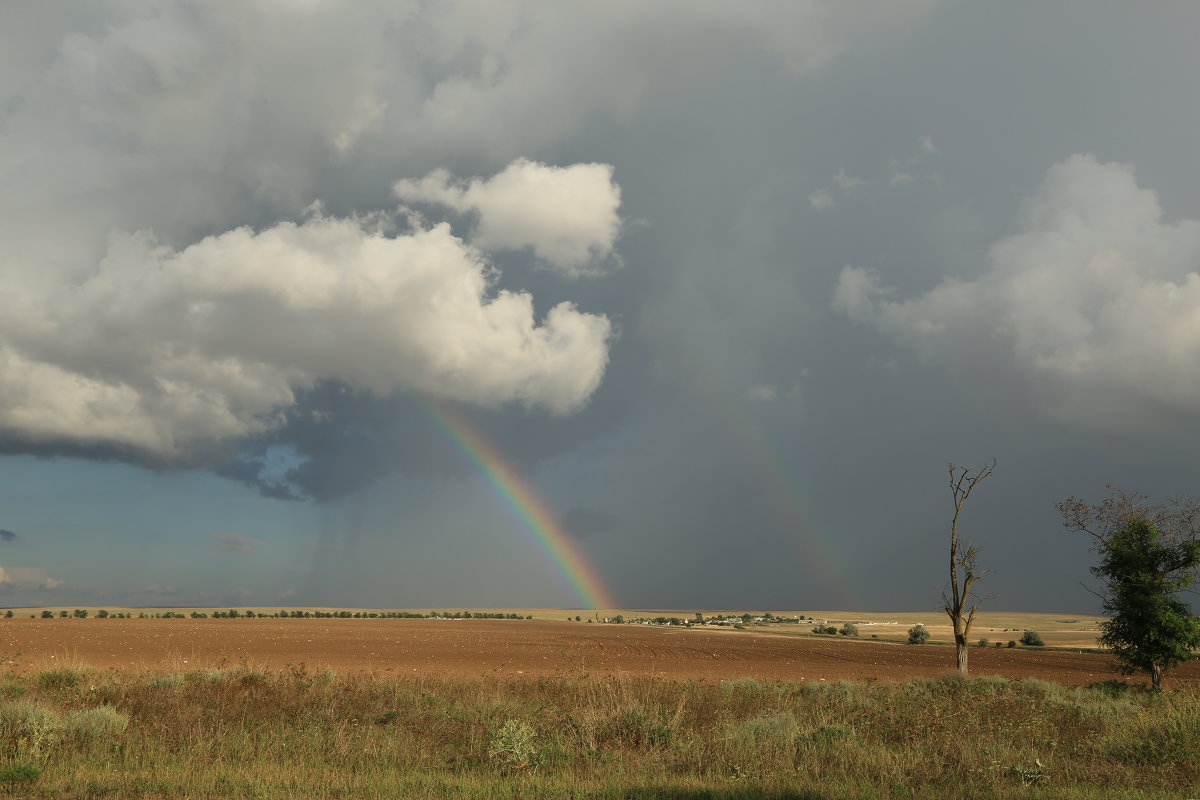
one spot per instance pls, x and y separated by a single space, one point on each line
234 613
918 635
247 732
59 679
1032 639
849 629
514 746
19 772
169 681
35 728
731 620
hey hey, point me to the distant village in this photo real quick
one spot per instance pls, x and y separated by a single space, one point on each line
730 620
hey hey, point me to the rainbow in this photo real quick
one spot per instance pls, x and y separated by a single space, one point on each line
552 539
775 479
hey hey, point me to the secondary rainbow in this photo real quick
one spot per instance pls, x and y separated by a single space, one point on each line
741 433
553 540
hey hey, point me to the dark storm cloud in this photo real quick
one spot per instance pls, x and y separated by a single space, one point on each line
7 536
841 265
338 441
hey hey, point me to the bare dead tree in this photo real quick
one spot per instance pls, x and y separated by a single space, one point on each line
964 572
1178 519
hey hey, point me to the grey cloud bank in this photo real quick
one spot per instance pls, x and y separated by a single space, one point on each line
727 285
1093 303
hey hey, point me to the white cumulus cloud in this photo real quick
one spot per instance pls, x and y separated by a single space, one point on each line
27 579
165 353
1093 303
567 215
820 200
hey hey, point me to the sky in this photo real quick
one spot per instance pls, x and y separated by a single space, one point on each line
658 305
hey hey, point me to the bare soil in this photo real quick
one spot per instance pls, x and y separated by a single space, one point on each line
511 647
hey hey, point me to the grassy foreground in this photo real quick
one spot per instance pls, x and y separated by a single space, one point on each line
247 732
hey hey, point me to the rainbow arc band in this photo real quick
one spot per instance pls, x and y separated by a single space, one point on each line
737 427
512 489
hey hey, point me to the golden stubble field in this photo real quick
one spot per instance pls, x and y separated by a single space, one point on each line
549 644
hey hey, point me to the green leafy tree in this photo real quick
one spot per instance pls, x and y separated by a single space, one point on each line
1148 555
918 635
1150 629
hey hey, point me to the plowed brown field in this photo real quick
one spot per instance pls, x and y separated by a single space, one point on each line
430 646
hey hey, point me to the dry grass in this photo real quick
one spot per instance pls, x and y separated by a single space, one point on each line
251 732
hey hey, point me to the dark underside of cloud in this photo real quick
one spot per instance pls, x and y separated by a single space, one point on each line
337 441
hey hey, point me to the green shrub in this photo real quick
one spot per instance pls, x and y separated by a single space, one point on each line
20 772
1011 643
984 643
849 629
167 681
918 635
513 746
89 724
1032 639
32 728
61 678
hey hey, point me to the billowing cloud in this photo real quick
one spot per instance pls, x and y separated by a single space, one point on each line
27 579
209 125
1094 302
567 215
7 536
166 354
821 200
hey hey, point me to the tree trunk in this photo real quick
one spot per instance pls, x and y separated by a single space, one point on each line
960 651
1156 674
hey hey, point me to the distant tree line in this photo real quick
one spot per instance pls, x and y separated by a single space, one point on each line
233 613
